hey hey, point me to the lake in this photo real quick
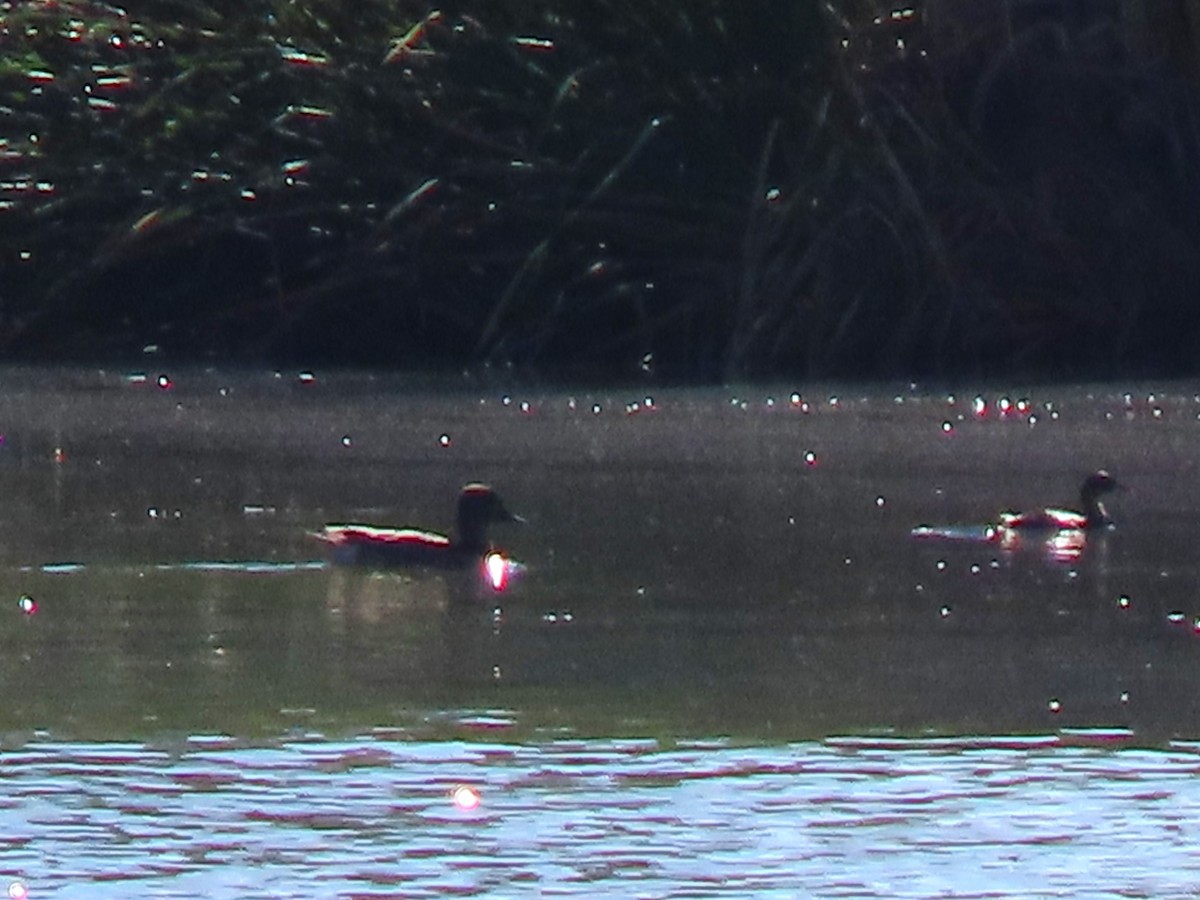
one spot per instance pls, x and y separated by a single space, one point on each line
728 669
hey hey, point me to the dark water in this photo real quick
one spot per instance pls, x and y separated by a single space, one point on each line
701 565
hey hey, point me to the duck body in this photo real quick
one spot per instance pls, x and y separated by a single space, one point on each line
1063 534
1093 514
383 547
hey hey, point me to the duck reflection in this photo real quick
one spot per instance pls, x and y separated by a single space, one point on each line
1066 545
417 629
373 595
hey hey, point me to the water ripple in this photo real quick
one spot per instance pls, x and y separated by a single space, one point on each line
993 817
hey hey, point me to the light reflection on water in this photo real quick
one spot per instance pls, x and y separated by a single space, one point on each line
600 818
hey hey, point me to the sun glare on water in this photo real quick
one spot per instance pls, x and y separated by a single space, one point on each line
496 567
465 798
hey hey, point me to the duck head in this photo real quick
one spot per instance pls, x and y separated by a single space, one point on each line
478 507
1095 488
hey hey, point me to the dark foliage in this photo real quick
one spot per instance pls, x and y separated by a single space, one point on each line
707 189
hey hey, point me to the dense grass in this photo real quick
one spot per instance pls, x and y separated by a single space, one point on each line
708 189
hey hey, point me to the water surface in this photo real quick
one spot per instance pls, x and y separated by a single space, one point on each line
726 648
699 562
618 818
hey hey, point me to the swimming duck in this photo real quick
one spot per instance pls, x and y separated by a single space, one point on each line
382 547
1094 514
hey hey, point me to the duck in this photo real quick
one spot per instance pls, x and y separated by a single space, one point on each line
1093 515
383 547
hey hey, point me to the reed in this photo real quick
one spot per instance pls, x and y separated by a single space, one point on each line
706 190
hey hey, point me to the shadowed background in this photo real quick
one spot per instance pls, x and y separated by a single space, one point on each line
853 189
